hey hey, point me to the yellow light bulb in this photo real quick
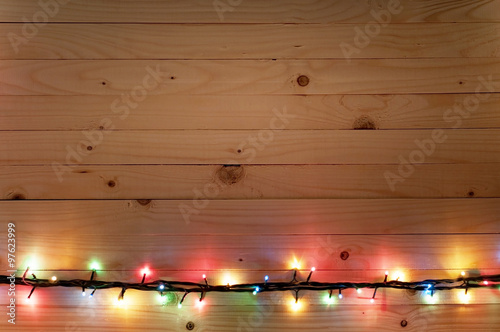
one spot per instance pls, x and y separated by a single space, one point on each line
295 305
464 298
295 264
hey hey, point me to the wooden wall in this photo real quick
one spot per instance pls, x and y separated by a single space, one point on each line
231 137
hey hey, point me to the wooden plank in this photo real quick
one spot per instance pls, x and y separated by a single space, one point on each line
256 11
271 41
297 216
481 318
249 182
249 112
250 147
68 251
359 76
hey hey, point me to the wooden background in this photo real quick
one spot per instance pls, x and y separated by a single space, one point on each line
224 164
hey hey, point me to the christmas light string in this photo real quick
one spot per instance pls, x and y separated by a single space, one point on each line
428 286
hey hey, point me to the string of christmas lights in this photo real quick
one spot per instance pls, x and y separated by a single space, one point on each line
429 286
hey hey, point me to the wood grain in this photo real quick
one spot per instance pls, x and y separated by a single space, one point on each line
249 182
438 318
256 11
69 251
250 147
359 76
271 41
183 176
422 111
219 217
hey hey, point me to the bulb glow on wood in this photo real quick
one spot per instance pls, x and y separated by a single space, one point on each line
295 305
295 264
95 266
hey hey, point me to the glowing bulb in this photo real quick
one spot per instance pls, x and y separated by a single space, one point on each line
83 293
54 278
359 290
431 299
179 306
464 298
329 299
341 296
229 280
372 300
145 271
161 287
485 282
295 305
266 278
200 304
386 273
204 276
95 266
34 263
119 302
256 290
398 275
462 273
313 269
32 301
295 264
162 299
